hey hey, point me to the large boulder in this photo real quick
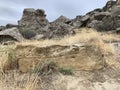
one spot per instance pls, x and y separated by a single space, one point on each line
33 20
105 25
76 22
59 28
80 21
11 34
99 16
111 21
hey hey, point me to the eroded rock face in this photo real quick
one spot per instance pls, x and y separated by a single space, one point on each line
34 20
78 58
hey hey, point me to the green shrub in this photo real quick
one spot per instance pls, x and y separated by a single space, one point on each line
66 71
10 56
28 34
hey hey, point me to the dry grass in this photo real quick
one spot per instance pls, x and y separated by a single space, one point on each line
83 35
13 80
16 81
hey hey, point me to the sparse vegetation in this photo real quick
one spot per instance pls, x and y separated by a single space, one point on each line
10 55
37 54
66 71
36 69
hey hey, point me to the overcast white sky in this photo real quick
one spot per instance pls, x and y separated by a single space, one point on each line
11 10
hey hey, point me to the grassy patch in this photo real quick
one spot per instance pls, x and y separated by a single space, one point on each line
10 56
66 71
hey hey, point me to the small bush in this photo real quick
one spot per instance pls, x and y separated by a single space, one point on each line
66 71
10 56
28 34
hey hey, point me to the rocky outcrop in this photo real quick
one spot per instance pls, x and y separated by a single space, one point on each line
59 30
101 19
34 20
110 22
90 18
11 34
34 25
104 19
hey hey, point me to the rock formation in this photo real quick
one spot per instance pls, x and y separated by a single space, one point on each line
11 34
105 19
34 20
34 25
60 28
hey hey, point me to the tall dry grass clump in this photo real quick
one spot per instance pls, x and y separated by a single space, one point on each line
13 79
